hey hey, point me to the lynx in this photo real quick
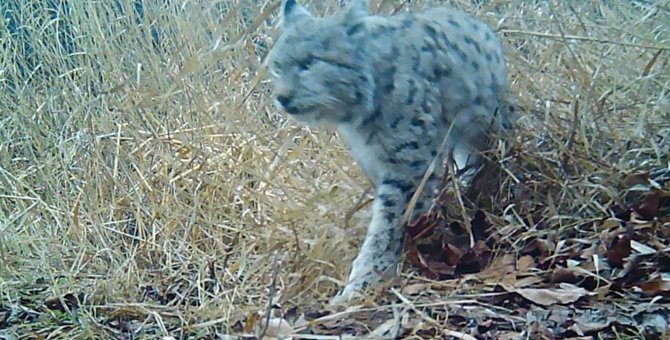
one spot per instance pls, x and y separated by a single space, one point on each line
405 92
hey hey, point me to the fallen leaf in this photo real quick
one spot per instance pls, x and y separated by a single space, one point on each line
537 248
500 268
561 274
655 325
509 336
548 297
251 323
599 317
480 226
475 259
648 209
415 288
451 254
278 327
524 263
68 302
528 281
656 286
642 248
619 249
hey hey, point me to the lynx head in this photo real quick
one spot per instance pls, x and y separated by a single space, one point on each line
320 72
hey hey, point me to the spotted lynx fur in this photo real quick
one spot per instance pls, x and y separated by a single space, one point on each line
405 92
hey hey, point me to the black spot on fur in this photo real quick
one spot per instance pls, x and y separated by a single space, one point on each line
394 124
419 206
342 65
494 83
390 218
354 29
373 117
359 95
430 30
417 164
407 145
306 63
442 73
462 55
408 195
454 23
399 184
457 50
475 65
412 93
371 137
474 44
478 100
418 122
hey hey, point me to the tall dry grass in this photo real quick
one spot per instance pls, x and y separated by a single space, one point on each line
148 186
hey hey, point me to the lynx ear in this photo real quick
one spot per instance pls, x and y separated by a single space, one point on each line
356 9
293 12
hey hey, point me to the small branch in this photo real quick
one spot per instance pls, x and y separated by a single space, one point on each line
580 38
271 294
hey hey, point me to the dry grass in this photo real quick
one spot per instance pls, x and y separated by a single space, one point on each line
150 188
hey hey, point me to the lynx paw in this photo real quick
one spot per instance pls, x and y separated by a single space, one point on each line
365 275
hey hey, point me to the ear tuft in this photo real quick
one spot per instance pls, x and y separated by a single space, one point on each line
294 12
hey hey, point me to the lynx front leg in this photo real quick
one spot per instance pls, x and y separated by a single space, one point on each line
379 255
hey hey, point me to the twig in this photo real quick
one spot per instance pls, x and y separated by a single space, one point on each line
271 294
580 38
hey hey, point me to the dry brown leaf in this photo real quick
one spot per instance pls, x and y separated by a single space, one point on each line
451 254
648 209
656 286
500 268
561 274
480 226
528 281
251 323
548 297
475 259
509 336
67 303
524 263
415 288
619 250
537 248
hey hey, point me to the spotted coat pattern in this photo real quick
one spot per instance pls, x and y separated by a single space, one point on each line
405 92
